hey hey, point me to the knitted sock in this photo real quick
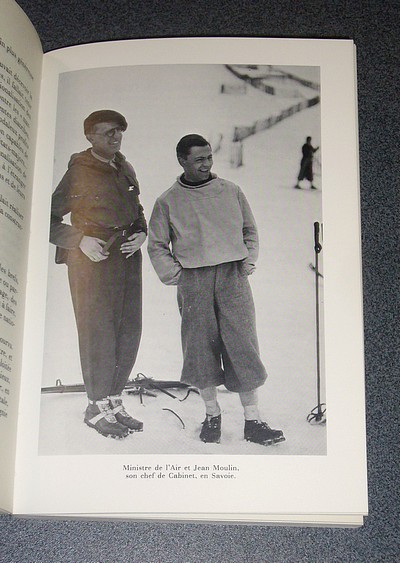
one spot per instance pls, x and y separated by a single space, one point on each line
209 396
251 413
249 400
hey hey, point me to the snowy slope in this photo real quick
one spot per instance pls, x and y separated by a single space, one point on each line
175 101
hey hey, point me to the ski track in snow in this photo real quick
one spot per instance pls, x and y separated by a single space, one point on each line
283 284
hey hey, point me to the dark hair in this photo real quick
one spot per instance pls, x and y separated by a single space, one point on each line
184 146
308 139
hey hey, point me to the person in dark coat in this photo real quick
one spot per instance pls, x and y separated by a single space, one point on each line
306 164
101 247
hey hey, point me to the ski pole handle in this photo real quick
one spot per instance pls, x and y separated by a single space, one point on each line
317 245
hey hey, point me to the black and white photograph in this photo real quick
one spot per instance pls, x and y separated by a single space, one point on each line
185 297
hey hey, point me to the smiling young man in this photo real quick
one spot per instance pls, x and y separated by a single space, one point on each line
203 238
101 248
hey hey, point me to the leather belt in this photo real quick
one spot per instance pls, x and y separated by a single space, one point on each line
113 238
103 232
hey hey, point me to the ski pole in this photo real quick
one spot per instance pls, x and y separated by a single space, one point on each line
317 415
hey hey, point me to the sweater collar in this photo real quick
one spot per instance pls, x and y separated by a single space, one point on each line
194 185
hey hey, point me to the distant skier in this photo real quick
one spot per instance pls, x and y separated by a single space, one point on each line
306 164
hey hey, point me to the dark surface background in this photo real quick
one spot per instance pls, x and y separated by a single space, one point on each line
374 26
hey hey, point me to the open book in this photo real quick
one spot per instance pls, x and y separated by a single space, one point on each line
256 101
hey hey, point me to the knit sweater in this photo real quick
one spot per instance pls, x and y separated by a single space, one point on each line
193 227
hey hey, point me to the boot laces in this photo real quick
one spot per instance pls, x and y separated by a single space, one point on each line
123 412
117 404
105 408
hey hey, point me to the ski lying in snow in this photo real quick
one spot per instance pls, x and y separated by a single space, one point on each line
141 382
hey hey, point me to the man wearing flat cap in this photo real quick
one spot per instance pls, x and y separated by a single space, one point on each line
101 247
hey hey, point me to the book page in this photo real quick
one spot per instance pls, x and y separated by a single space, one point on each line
256 101
20 70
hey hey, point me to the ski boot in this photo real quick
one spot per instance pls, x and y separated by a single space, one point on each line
211 429
260 433
99 416
123 417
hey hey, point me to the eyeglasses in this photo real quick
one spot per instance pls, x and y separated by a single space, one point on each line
111 132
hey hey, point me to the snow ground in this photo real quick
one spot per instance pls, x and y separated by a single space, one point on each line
283 285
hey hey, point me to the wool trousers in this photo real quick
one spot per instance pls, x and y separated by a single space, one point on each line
218 328
107 301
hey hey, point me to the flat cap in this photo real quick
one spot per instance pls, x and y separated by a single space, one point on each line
104 116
